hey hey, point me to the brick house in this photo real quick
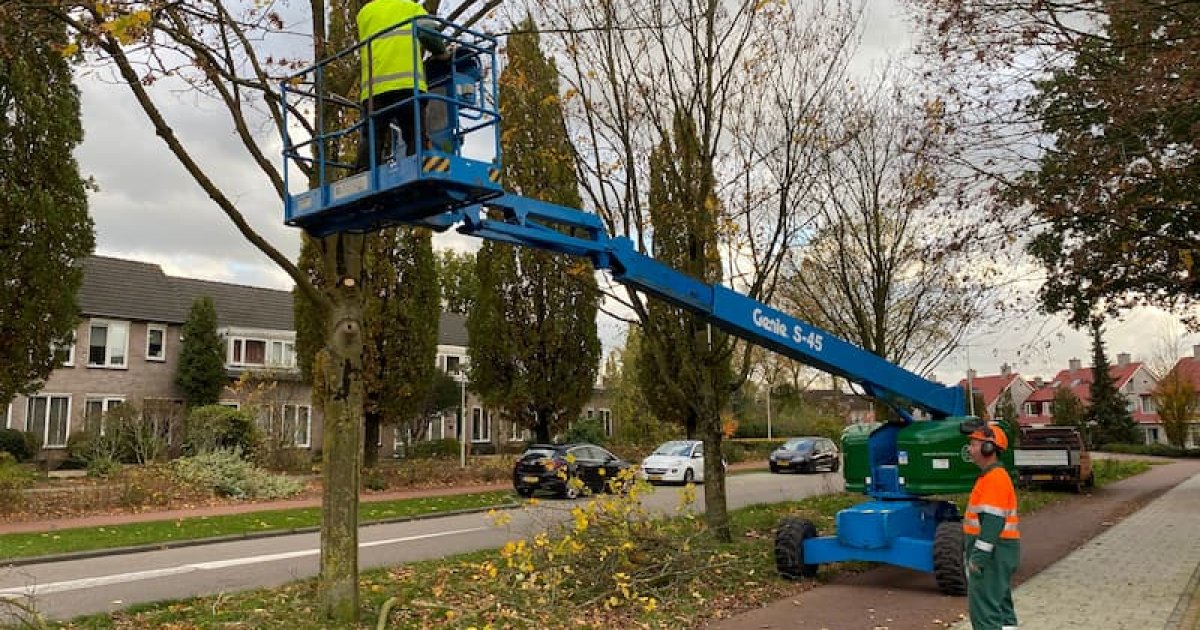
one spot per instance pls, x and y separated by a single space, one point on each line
126 350
1131 378
991 388
1189 369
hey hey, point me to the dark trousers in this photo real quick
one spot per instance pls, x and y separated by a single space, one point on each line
401 115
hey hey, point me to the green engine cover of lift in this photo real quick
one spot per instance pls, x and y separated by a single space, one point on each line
932 457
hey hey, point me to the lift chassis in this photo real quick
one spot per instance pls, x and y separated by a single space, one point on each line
447 182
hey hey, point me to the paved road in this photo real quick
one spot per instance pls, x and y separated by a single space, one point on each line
67 589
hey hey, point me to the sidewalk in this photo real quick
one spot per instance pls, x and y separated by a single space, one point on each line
1124 557
1141 573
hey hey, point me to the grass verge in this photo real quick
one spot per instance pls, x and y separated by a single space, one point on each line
681 579
158 532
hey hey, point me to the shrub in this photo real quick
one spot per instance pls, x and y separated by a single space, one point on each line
215 427
586 430
1161 450
17 444
434 448
225 472
88 448
14 479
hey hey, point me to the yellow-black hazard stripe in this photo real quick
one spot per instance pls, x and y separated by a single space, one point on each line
436 164
494 174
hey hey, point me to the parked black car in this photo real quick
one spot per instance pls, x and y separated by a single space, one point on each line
805 454
550 467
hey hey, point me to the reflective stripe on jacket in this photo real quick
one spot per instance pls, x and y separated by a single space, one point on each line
392 61
993 495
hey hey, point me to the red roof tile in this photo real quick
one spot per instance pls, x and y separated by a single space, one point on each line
990 387
1079 382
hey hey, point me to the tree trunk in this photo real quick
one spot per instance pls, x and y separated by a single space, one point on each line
371 439
716 511
342 380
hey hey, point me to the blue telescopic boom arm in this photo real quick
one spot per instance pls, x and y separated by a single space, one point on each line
532 223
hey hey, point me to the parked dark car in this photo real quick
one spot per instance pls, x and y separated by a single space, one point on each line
805 454
550 467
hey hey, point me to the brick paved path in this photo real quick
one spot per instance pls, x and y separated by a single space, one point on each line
1139 574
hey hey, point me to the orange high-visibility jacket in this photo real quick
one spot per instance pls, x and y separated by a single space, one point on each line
992 510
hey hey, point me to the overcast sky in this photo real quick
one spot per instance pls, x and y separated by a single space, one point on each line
149 209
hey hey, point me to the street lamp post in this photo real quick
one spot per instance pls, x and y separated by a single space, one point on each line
462 421
769 436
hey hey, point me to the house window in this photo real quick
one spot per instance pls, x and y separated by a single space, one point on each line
1148 404
453 365
94 409
283 354
46 417
590 412
107 343
1131 405
65 352
232 404
515 433
606 419
1193 435
156 342
1152 435
244 351
481 426
297 424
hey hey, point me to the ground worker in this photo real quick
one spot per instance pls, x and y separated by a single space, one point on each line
391 72
992 546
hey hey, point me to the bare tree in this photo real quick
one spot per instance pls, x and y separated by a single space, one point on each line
891 264
751 76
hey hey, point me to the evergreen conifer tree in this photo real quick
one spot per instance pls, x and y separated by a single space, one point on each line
1108 413
45 231
201 371
533 342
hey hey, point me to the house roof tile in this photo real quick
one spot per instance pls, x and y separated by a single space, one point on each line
1079 382
138 291
990 387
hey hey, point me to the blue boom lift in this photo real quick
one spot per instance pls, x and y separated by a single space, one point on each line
452 179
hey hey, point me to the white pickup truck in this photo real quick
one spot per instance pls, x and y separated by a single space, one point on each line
1054 456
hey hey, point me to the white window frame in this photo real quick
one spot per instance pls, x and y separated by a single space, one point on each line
606 420
8 417
515 432
287 356
163 347
107 402
293 439
242 339
481 419
70 349
233 404
459 369
108 363
46 420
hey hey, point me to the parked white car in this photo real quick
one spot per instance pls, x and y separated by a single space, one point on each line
677 461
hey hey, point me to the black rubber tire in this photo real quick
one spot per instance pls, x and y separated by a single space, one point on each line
789 548
837 465
688 477
773 468
525 492
948 569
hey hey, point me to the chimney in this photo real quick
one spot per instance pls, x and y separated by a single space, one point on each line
1038 383
1123 359
1006 370
1075 365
